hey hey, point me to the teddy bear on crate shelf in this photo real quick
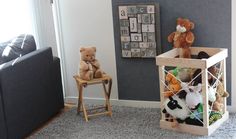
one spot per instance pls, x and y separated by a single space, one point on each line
173 84
89 65
183 37
220 95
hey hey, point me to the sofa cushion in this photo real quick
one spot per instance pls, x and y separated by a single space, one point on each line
16 47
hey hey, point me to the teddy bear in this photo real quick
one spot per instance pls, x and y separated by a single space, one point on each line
183 37
173 84
89 65
220 95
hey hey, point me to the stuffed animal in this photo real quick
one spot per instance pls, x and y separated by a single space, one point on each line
89 66
173 84
185 74
193 96
220 95
193 100
198 112
202 55
220 90
214 116
211 94
196 116
198 79
183 37
177 108
213 70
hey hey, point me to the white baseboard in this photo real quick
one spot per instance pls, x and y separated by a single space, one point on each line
116 102
128 103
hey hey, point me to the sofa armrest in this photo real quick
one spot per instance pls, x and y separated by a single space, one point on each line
57 80
26 89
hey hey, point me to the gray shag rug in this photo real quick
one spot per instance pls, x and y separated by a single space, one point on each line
126 123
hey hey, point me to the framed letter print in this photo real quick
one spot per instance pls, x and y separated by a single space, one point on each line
139 26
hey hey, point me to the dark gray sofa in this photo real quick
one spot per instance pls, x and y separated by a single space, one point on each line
30 93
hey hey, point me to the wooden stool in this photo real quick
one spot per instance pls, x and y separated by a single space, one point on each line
106 81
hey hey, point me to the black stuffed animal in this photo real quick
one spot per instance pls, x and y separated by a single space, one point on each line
212 70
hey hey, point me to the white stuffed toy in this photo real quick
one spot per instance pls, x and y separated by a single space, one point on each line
212 94
193 96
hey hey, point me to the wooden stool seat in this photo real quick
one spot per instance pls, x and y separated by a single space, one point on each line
106 82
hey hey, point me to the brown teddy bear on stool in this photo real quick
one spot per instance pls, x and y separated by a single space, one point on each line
89 66
183 37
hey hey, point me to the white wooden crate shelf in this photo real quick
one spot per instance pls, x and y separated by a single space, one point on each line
170 59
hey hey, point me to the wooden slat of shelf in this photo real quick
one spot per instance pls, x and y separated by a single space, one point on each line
197 130
205 97
217 58
224 83
218 123
162 87
208 50
194 51
180 62
171 53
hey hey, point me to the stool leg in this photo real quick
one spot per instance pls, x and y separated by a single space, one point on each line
109 89
82 103
78 107
85 112
107 97
80 99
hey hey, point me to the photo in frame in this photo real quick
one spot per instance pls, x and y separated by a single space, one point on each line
139 26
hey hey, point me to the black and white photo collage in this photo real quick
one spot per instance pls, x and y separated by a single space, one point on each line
137 31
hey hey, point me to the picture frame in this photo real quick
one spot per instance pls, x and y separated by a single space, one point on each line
139 29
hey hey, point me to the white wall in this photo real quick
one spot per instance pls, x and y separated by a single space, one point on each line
45 32
85 23
233 43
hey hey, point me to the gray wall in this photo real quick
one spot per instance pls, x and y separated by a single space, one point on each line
138 78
